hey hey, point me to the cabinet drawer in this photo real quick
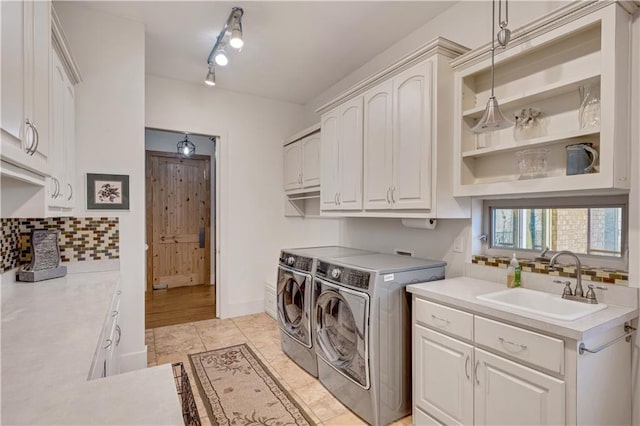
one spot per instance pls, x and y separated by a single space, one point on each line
442 318
537 349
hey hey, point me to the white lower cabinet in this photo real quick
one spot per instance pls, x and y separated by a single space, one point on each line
471 370
510 394
107 355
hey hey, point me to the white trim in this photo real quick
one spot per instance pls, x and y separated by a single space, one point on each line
233 310
61 45
439 45
301 134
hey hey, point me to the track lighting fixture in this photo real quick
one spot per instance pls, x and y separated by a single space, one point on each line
211 76
186 148
493 119
231 35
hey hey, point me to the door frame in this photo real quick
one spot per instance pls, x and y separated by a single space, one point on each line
220 203
149 211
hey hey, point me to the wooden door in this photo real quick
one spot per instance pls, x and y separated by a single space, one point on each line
412 138
330 154
509 394
350 164
378 148
310 160
178 220
443 384
292 166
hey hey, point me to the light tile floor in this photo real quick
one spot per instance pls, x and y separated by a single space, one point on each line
260 332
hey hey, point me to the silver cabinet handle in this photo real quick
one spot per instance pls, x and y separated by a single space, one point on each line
114 314
70 192
339 202
37 140
393 193
443 322
388 199
119 330
29 128
119 292
475 372
508 343
109 343
57 194
335 198
466 367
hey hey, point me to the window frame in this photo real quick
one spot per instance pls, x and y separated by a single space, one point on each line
622 201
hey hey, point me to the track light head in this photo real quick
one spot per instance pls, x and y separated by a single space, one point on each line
236 38
221 58
210 80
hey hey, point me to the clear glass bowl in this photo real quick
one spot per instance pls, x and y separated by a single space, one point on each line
532 163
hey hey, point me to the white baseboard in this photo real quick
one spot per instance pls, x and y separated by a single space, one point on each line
133 361
240 309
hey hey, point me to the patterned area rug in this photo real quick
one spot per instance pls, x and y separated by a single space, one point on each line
237 389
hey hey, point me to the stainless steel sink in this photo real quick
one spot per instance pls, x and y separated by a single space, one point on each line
541 303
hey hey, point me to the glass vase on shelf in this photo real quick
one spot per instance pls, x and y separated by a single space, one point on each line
589 112
528 124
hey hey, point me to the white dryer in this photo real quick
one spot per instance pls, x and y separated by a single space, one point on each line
363 331
295 300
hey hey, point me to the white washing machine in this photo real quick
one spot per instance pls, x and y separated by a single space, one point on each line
363 331
294 295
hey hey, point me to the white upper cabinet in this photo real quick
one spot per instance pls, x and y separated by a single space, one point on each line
310 154
329 161
26 55
350 157
378 147
292 166
302 164
583 47
387 129
412 133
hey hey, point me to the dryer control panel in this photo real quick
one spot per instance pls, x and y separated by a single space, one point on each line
295 261
342 275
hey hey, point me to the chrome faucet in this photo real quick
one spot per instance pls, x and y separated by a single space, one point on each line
579 292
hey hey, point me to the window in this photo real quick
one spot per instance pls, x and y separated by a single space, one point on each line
595 227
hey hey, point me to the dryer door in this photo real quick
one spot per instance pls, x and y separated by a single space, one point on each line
294 304
342 331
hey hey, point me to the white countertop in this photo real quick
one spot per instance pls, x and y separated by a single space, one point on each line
50 331
461 293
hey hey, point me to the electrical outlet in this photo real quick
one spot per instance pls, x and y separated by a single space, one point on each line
458 245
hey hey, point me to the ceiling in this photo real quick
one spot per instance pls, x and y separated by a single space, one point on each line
293 50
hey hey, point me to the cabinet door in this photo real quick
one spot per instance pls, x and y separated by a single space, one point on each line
412 138
58 87
350 163
69 145
508 394
41 74
442 385
310 147
330 155
378 148
292 166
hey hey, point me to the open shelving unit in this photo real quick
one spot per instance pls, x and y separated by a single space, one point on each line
545 65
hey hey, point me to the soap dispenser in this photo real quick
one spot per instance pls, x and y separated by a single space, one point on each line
514 273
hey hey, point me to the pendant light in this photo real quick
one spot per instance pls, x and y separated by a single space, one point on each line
493 119
186 148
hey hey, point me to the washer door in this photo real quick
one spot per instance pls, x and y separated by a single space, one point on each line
342 331
294 303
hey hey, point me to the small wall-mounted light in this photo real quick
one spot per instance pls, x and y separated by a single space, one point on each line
231 35
186 148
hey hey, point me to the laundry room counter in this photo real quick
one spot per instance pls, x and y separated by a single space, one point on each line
50 330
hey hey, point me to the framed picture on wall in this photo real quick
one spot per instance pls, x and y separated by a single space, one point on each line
107 192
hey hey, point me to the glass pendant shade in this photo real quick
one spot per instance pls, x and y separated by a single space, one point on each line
492 119
186 148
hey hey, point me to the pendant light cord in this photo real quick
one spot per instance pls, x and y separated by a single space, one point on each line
493 45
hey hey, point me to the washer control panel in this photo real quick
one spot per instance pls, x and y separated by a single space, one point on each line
342 275
294 261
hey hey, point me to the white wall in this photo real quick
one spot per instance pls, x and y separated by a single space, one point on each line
158 140
252 226
110 139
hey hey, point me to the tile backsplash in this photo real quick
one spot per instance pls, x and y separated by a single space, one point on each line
602 275
81 238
